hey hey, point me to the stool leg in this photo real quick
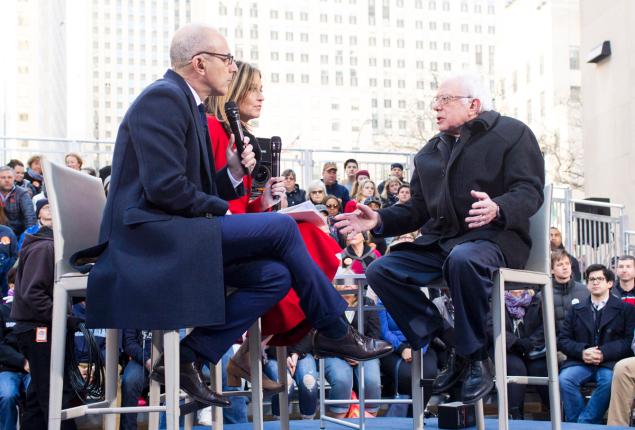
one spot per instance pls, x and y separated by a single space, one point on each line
283 397
480 415
188 420
155 387
57 337
417 391
171 357
322 393
112 377
548 318
216 376
500 358
256 376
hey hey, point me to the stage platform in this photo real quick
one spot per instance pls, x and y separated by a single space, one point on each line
406 424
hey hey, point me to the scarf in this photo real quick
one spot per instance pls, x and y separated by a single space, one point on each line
34 174
517 306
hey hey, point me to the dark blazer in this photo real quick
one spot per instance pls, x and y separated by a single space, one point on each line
162 266
615 332
497 155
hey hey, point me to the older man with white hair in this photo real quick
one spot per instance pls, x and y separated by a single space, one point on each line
474 187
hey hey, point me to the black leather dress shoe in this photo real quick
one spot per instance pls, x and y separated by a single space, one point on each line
452 373
354 346
479 380
191 381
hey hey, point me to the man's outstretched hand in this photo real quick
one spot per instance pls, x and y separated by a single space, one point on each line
358 221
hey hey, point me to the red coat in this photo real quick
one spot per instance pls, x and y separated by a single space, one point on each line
285 320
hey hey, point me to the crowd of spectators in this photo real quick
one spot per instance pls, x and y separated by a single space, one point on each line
594 314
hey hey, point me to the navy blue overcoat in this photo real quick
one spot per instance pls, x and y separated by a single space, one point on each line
162 266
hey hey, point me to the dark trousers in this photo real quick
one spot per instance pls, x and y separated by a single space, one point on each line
468 270
35 415
264 255
398 377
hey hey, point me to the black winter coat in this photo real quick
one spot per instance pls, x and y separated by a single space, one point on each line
33 300
496 154
531 328
11 359
564 297
296 196
615 332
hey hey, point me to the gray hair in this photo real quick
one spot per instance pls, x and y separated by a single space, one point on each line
474 87
187 42
317 185
7 169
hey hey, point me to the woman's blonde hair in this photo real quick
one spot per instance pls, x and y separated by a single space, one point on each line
359 197
240 87
389 181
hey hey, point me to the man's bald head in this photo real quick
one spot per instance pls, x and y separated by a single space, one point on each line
190 40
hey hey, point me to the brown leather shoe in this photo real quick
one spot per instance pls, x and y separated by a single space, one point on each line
191 381
354 346
239 368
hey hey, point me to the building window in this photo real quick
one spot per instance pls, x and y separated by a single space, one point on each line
574 57
574 93
479 55
339 79
275 78
387 103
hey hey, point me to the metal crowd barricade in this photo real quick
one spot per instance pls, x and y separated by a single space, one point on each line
591 237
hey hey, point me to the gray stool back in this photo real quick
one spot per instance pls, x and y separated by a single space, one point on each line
77 201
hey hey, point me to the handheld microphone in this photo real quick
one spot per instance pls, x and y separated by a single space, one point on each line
233 116
276 148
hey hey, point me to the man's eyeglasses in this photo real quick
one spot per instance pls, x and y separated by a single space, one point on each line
228 59
333 206
598 279
317 192
445 99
